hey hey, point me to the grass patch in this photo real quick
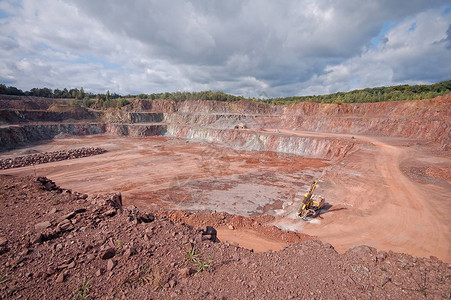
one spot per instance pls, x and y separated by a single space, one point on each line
194 258
84 290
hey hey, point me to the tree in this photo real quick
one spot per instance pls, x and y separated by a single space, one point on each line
73 93
80 94
57 93
65 93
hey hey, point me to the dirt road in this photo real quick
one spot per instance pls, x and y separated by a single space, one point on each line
379 205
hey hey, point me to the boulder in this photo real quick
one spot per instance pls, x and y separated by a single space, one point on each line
209 233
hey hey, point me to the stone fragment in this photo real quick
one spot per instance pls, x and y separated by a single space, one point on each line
50 271
110 212
115 200
65 225
381 256
111 263
206 237
147 218
209 233
172 283
50 186
42 225
80 210
90 257
3 245
100 272
61 277
71 265
130 251
108 253
66 217
37 239
209 230
231 227
185 272
362 251
327 245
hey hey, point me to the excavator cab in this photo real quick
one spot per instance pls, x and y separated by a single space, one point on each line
310 206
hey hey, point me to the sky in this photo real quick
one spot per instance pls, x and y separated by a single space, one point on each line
253 48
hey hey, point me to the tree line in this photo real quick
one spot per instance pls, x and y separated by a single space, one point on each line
79 96
202 95
378 94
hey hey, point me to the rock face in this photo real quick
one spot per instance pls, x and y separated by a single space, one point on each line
214 121
15 136
26 116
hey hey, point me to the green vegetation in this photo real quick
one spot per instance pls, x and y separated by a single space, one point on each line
79 96
120 247
84 290
378 94
108 100
203 265
203 95
193 257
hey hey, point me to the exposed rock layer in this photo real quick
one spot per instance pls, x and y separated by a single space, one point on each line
213 121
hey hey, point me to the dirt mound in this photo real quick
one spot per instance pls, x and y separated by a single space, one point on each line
60 245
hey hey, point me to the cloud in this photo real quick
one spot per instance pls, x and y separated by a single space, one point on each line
248 47
412 52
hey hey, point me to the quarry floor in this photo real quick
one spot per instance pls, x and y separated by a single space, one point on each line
392 194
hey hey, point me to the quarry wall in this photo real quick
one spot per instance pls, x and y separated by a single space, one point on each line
213 121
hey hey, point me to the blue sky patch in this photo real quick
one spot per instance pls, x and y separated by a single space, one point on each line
386 26
4 14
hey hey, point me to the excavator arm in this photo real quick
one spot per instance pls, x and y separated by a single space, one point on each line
306 204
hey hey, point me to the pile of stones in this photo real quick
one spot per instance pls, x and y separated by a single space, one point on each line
46 157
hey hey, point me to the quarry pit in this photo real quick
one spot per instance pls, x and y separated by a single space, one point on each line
384 168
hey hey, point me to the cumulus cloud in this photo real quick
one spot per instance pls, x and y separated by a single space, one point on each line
412 52
247 47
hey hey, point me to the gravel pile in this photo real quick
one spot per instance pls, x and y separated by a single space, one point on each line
46 157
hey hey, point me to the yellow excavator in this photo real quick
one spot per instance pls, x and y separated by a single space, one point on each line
310 206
